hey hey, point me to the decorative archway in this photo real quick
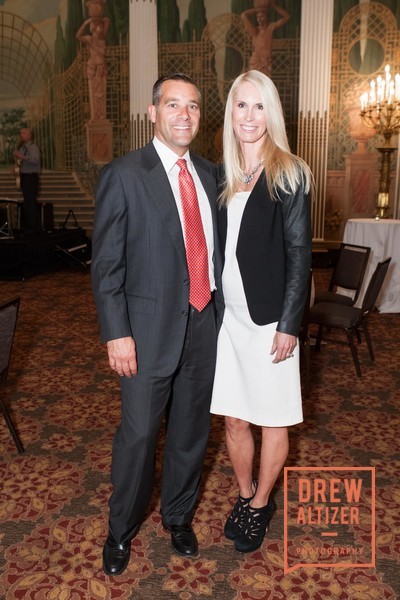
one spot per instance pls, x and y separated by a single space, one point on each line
25 63
25 59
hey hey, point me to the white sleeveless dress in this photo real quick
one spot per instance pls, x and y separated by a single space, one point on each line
247 384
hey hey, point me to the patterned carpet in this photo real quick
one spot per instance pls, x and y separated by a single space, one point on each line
53 505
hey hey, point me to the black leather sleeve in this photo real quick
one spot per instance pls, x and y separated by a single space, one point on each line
296 211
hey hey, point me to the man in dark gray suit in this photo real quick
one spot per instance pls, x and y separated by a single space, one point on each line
162 347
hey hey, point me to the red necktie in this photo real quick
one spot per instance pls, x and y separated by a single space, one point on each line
196 247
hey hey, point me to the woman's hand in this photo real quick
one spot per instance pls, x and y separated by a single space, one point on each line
283 346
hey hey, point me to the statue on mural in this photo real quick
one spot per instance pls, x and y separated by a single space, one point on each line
96 65
262 33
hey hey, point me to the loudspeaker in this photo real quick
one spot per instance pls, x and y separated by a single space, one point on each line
5 225
45 215
3 216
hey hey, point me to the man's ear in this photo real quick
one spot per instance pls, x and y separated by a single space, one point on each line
152 113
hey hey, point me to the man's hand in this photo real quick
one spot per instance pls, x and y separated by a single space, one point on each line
122 356
283 345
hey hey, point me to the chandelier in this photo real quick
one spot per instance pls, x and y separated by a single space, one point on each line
380 109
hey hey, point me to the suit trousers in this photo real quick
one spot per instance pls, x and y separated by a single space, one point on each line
30 190
183 398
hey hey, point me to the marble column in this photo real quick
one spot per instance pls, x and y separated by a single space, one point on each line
315 69
143 67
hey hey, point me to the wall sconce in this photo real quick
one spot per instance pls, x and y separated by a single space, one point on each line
380 109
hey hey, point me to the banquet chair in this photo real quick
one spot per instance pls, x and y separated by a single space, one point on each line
350 319
8 321
348 274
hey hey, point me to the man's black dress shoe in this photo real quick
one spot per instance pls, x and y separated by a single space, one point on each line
183 539
115 556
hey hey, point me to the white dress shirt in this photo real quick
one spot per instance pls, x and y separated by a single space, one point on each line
168 159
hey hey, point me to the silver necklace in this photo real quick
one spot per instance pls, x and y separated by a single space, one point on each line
248 177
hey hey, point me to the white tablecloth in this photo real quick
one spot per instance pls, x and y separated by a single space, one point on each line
383 237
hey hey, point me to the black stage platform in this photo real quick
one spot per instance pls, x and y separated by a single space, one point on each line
23 256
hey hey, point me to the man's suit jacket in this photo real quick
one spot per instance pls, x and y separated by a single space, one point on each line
274 255
139 268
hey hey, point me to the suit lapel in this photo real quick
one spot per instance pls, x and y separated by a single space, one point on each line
210 187
209 184
207 180
160 194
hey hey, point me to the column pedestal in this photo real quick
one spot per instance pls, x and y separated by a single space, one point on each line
384 181
360 185
99 141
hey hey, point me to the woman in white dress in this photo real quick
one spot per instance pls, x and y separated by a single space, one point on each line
265 227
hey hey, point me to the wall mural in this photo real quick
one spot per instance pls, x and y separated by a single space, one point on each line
62 66
70 34
366 37
40 42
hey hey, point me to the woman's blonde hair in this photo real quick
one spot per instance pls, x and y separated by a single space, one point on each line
284 171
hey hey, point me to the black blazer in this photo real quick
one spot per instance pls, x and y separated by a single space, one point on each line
274 255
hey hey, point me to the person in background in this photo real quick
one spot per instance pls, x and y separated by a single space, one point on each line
28 156
265 228
156 279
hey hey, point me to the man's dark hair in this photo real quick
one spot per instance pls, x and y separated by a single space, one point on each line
172 77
